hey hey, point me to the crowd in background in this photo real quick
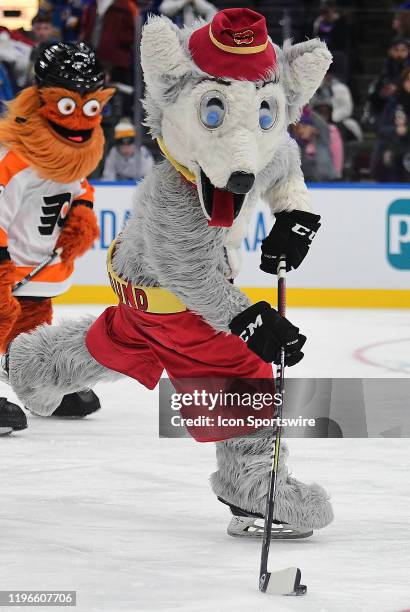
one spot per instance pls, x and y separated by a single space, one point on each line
332 128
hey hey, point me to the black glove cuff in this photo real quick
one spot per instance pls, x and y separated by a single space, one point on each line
4 254
303 217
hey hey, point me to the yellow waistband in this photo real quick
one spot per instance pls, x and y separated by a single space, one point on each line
154 300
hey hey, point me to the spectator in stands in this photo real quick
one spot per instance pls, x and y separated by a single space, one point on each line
401 21
184 12
334 30
43 34
71 13
19 49
125 162
42 29
109 27
52 9
313 137
15 59
342 106
6 89
66 16
385 87
391 159
322 104
20 35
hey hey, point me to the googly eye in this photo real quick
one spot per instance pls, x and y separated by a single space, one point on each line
212 109
66 106
91 108
268 113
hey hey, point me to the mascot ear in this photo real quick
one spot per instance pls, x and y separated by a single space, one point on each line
162 54
104 95
305 66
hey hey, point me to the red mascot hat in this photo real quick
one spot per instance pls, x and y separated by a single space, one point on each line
234 45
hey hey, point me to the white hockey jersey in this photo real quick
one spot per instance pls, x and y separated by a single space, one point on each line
32 213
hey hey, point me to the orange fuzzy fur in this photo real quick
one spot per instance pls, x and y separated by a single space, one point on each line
9 306
33 140
33 313
79 232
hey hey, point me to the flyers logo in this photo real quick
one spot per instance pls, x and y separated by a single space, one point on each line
54 211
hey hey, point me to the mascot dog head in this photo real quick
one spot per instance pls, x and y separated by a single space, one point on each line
220 97
55 125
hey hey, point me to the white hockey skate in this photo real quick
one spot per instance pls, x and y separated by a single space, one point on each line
246 525
253 527
241 482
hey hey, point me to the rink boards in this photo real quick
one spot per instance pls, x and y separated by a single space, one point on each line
359 258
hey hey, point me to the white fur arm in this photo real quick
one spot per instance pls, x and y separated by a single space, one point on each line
342 103
288 192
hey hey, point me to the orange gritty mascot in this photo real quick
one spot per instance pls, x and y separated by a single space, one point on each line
50 141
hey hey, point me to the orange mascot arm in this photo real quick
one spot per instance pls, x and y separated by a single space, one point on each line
9 305
80 228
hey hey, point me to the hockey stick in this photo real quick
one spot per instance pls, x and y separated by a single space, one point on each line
46 261
284 582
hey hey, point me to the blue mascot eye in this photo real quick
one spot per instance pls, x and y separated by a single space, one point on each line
267 114
212 109
265 121
212 118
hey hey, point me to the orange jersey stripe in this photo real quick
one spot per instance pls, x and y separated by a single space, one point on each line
10 165
3 237
50 274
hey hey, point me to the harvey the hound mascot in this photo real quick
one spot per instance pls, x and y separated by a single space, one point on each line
219 99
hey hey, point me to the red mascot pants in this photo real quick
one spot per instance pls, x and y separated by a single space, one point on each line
142 345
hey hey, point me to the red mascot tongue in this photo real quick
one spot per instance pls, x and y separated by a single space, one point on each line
222 208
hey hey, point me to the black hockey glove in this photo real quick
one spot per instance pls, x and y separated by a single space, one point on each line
291 236
265 331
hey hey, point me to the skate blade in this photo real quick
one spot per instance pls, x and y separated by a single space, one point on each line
60 417
283 582
252 527
5 431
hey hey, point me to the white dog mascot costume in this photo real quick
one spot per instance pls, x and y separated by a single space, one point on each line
219 99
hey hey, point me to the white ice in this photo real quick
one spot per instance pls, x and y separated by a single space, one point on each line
104 507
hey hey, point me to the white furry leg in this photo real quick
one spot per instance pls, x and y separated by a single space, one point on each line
51 361
242 479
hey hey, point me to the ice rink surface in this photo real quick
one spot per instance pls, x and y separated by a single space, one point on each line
106 508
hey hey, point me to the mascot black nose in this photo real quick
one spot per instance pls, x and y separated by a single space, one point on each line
240 182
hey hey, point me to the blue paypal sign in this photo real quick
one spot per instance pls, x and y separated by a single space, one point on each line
398 234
